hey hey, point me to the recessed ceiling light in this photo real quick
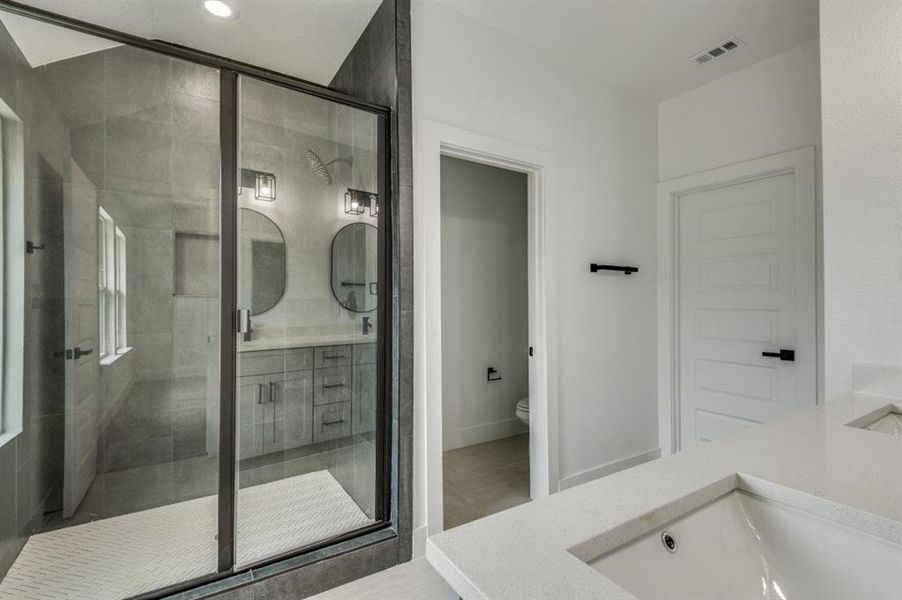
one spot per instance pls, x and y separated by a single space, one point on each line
220 9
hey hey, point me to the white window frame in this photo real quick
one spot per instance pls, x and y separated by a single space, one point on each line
112 307
121 306
105 284
12 274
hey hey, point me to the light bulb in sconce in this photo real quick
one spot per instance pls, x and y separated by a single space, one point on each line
357 201
265 186
354 200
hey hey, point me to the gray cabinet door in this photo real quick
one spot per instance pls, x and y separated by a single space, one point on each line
273 425
363 404
252 407
294 408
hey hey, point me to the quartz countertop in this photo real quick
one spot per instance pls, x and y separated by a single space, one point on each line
531 551
305 341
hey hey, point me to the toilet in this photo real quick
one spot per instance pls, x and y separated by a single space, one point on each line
523 410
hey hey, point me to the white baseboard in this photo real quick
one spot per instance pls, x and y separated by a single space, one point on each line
484 432
609 468
419 542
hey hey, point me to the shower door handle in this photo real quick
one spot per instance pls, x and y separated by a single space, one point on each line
244 320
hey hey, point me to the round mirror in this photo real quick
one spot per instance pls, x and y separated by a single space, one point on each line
262 281
354 267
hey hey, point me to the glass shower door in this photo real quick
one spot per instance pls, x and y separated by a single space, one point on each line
119 169
309 298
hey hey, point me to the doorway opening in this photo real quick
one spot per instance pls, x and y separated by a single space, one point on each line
485 340
438 141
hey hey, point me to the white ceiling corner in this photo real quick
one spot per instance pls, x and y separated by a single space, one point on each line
303 38
643 46
42 44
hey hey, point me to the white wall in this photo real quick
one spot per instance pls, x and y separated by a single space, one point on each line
861 76
485 317
473 77
770 107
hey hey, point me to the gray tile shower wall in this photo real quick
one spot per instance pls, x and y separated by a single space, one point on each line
144 129
31 463
378 70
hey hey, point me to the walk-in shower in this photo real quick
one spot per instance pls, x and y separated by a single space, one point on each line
155 445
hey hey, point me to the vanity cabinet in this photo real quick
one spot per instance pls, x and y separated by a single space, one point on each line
298 396
274 412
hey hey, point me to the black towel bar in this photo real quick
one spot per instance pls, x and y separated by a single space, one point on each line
626 270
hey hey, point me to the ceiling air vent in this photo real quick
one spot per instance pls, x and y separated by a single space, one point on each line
721 49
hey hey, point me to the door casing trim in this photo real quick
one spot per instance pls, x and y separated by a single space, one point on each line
436 140
800 162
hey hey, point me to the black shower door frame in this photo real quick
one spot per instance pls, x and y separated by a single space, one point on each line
231 72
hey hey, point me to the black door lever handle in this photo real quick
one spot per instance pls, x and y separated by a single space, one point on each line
787 355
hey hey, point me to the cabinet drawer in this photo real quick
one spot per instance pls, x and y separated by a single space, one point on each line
364 354
331 385
298 359
261 362
333 356
331 422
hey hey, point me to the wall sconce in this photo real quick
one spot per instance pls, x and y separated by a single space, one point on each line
357 201
264 184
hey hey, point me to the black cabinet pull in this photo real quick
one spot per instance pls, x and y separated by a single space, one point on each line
333 385
333 356
787 355
333 422
595 268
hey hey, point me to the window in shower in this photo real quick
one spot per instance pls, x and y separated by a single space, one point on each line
111 269
12 273
106 285
120 255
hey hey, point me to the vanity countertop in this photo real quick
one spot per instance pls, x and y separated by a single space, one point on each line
305 341
523 552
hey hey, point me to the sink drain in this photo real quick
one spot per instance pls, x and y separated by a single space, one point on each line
669 542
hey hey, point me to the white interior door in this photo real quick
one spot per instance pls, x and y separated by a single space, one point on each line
81 285
746 287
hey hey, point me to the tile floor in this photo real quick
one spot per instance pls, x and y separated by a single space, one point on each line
138 552
483 479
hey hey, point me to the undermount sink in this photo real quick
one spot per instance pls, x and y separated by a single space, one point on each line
743 546
886 419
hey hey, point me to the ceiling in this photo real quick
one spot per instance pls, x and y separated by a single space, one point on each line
304 38
644 46
640 46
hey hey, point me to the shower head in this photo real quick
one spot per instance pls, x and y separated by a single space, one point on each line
319 168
